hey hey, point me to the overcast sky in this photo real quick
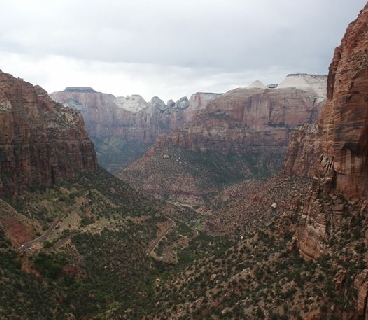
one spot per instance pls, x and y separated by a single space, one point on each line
169 48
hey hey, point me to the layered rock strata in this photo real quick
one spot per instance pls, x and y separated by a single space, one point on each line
247 119
340 133
42 142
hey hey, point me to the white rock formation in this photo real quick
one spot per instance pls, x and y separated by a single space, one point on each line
303 81
133 103
136 103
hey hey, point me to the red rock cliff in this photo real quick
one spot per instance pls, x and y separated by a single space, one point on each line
41 142
341 131
334 152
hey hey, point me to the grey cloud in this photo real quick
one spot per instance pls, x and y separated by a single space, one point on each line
208 37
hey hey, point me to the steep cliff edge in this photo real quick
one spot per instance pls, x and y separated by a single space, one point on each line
333 152
340 133
42 142
123 128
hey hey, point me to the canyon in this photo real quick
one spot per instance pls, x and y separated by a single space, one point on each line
241 134
251 204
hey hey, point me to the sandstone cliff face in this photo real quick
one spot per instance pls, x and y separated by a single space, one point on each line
333 152
42 142
122 128
252 123
340 134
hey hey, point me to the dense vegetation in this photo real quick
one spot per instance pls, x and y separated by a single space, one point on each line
205 173
100 250
260 277
94 258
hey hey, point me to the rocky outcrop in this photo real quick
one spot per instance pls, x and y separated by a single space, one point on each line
122 128
42 142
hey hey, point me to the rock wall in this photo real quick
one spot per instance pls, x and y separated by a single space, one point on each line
340 132
42 142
